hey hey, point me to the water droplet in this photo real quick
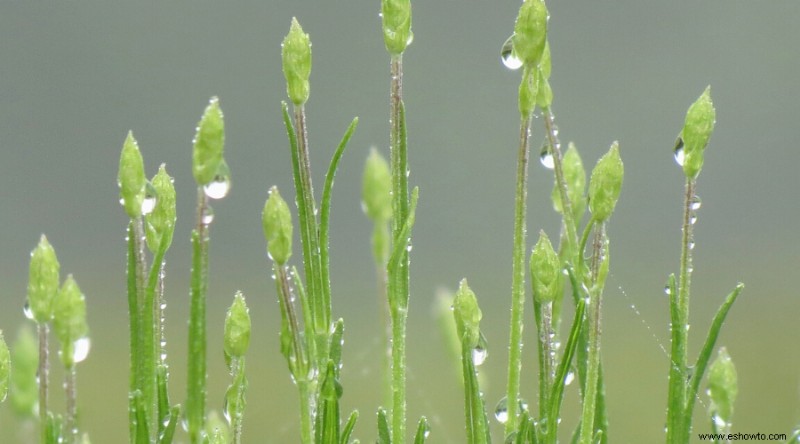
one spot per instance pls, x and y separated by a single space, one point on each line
507 56
667 290
208 216
81 349
218 188
692 218
695 203
409 247
410 38
546 157
149 201
720 422
691 245
501 411
479 354
569 378
680 156
26 309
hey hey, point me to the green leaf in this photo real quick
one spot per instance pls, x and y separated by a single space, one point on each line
376 187
25 362
423 430
530 32
605 184
722 388
237 327
348 428
5 367
697 129
296 56
209 144
337 341
467 315
384 436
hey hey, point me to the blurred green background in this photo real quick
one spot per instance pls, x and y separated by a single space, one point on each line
76 76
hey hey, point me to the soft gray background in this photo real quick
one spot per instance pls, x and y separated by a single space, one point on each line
76 76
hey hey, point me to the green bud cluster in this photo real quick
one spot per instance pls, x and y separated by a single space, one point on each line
545 270
530 32
396 20
161 222
277 221
43 281
722 386
376 188
131 179
237 328
209 144
296 56
69 319
575 177
605 184
467 315
24 388
5 367
697 129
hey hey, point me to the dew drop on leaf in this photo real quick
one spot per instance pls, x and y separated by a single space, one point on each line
507 56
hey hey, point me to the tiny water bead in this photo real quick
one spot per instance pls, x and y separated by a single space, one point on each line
695 203
569 378
150 199
501 411
26 309
479 354
546 157
218 188
208 216
507 56
680 156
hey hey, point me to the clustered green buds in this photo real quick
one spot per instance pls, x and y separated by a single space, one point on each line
467 315
376 188
69 319
277 221
209 143
5 367
575 177
605 184
722 387
237 328
530 32
697 129
24 388
396 19
161 222
545 270
296 56
43 281
131 179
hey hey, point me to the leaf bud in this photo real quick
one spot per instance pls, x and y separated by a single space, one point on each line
296 57
605 184
209 144
277 221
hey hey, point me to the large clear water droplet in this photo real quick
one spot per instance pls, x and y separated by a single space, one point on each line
501 411
26 309
507 56
569 378
80 350
546 157
218 188
680 156
480 352
150 199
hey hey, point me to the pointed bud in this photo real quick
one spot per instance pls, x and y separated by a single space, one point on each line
237 328
468 315
331 388
575 177
722 387
25 360
528 92
376 188
530 32
131 179
605 184
545 270
69 319
161 222
396 21
697 129
277 221
5 367
296 55
209 144
43 281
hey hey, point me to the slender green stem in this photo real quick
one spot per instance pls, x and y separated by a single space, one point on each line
44 369
285 292
569 221
239 383
398 276
518 278
196 379
593 368
135 340
380 236
547 353
71 420
306 408
677 427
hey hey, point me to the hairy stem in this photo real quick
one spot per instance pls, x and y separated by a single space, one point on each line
569 221
71 420
44 369
593 368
